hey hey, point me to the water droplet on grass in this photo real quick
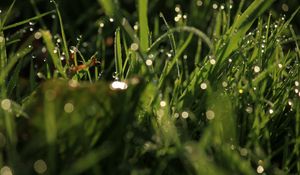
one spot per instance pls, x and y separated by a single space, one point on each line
6 104
69 107
184 114
118 85
176 115
212 61
177 8
243 152
149 62
285 7
199 3
203 86
215 6
260 169
40 166
210 114
256 69
224 84
134 46
163 104
249 109
37 35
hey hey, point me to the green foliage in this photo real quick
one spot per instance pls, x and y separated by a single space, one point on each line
220 97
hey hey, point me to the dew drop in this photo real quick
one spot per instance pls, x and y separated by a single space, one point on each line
224 84
177 8
215 6
285 7
176 115
111 19
210 114
199 3
40 166
184 114
203 86
149 62
169 55
6 104
134 46
256 69
101 24
163 104
37 35
243 152
249 109
260 169
297 83
69 107
118 85
212 61
271 111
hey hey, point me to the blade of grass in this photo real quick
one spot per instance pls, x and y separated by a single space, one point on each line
143 22
118 54
62 31
241 26
54 56
27 20
12 61
170 65
7 14
189 29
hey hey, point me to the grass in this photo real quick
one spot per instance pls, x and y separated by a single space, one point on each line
141 93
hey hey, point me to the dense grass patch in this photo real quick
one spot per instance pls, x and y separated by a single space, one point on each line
134 87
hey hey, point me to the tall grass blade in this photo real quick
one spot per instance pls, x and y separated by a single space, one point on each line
53 51
118 54
143 22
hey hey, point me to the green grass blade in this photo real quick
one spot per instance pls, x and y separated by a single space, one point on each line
27 20
7 14
54 56
108 6
143 22
11 63
63 35
118 54
242 25
3 54
188 29
170 65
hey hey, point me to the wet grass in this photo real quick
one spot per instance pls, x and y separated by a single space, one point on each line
150 94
